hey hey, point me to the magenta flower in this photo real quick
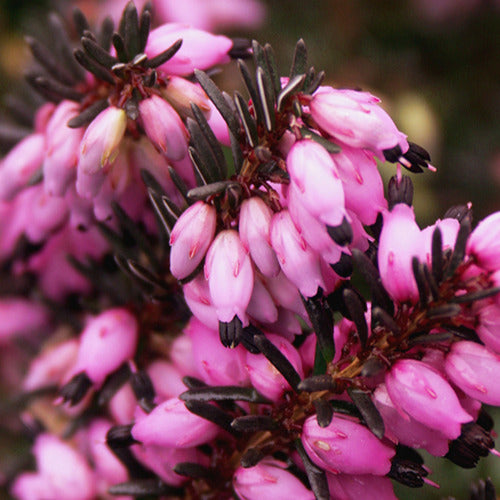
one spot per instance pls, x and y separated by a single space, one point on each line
422 393
269 479
337 447
190 239
21 317
488 328
229 272
366 486
484 243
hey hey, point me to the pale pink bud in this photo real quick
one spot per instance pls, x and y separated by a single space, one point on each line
269 479
484 243
197 297
162 460
106 343
122 405
474 369
20 164
180 93
99 146
166 379
299 262
365 486
400 240
199 50
261 306
191 237
61 149
229 272
62 473
255 220
164 127
488 329
346 446
356 119
285 293
313 172
51 366
405 429
216 364
449 230
422 393
361 182
21 317
171 424
264 376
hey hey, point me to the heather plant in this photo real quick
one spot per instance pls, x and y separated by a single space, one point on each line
221 298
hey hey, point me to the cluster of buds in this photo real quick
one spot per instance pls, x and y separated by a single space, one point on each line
228 353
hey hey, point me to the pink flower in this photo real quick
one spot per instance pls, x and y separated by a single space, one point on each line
199 50
298 261
106 343
313 172
62 473
356 119
400 240
449 230
166 379
229 272
269 479
216 364
21 317
264 376
197 296
20 164
261 306
484 243
163 127
474 369
181 93
172 425
345 446
254 224
190 238
99 146
365 486
422 393
488 328
61 149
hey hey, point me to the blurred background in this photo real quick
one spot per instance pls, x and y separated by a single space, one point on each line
434 63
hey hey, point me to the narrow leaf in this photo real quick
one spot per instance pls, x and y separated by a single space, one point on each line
248 122
164 56
252 90
299 62
326 143
224 393
368 410
291 88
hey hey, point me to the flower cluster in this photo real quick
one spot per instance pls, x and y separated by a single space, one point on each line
225 351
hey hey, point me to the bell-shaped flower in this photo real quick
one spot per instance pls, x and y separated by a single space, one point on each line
216 365
355 487
285 294
345 446
61 149
181 93
197 297
263 374
254 224
108 341
421 392
229 272
449 230
313 172
164 127
172 425
356 119
20 164
405 429
488 328
21 317
199 49
166 379
62 473
298 261
191 237
474 369
261 306
269 479
484 243
400 240
99 147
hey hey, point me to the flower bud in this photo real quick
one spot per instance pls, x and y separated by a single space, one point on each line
474 369
418 390
172 425
488 328
21 317
484 243
107 342
197 296
163 127
365 486
400 241
345 446
229 272
180 93
254 224
269 479
191 237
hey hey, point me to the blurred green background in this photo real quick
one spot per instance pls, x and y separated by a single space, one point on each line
434 63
